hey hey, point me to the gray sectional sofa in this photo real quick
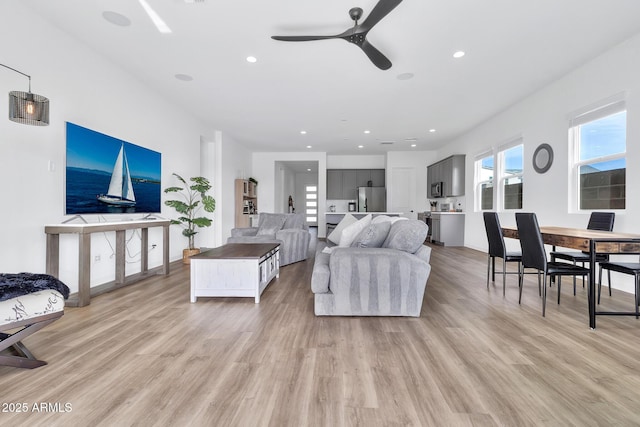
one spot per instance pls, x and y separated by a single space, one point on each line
290 230
375 275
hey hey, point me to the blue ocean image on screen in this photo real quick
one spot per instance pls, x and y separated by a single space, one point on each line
90 161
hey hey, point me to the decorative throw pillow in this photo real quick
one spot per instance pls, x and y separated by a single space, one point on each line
269 224
406 236
350 232
372 236
380 218
347 220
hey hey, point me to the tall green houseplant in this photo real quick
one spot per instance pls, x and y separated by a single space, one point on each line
194 198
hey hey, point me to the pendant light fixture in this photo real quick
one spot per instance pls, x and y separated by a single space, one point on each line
26 107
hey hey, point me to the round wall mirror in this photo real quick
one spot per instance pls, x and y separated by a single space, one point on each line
542 158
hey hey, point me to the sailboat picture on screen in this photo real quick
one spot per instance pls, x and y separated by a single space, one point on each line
106 175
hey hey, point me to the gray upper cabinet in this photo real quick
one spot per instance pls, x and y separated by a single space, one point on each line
342 184
377 177
450 172
363 176
334 184
349 179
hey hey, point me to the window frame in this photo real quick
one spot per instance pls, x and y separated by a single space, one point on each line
499 175
479 183
595 112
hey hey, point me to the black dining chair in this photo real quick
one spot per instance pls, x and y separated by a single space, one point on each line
602 221
534 256
497 249
630 268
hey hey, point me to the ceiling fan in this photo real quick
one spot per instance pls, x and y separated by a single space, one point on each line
358 33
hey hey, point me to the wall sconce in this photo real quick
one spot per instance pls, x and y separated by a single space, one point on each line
26 107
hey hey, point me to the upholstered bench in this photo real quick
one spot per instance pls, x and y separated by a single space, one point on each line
28 303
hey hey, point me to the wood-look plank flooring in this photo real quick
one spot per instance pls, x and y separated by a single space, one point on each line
144 355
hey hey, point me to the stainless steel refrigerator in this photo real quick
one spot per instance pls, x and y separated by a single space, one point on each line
372 199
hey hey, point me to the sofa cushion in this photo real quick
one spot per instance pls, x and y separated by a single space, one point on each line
407 236
350 232
347 220
373 236
270 223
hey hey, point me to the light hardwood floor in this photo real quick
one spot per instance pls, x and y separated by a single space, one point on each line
144 355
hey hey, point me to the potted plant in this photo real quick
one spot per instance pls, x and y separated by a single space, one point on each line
194 198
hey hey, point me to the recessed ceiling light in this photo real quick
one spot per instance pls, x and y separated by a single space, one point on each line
432 130
405 76
183 77
308 146
308 169
458 54
303 132
252 59
116 18
360 146
413 145
367 131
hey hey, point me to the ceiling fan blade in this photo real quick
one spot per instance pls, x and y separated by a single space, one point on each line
379 11
378 59
301 38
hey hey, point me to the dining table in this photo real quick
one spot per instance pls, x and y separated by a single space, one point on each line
593 242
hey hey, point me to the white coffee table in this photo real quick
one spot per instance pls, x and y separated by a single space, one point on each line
234 270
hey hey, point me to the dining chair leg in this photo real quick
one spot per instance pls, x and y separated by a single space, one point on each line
544 292
539 287
488 269
504 276
520 285
599 283
560 286
574 284
636 292
609 277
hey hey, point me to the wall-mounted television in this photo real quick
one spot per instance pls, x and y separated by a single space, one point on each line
105 175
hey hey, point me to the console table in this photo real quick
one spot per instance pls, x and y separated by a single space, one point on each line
84 232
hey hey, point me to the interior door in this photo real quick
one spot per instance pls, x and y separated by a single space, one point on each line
401 196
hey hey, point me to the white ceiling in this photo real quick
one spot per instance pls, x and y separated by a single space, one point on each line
329 88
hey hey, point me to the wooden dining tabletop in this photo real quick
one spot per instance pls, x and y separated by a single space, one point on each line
580 238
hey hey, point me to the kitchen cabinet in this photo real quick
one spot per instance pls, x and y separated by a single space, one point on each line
378 177
349 184
450 172
342 184
447 229
334 184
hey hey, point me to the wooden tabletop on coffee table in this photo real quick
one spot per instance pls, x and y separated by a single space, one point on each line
238 250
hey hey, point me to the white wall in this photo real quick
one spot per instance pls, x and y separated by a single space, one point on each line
370 161
543 118
86 89
235 163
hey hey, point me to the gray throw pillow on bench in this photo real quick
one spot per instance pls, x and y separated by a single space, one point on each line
372 236
270 224
406 236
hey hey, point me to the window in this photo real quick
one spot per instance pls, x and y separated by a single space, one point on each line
501 170
598 145
311 203
511 177
484 182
